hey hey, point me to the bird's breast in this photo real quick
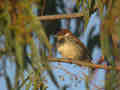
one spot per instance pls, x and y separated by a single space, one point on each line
68 50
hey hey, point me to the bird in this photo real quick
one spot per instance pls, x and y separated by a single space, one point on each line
69 46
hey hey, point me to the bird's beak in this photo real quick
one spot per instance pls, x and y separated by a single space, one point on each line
58 37
55 36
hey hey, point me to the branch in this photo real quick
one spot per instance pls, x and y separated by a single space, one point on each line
61 16
83 63
24 81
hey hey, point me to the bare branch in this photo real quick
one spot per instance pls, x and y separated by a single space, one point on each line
61 16
82 63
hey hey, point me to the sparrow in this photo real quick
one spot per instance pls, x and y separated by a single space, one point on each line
69 46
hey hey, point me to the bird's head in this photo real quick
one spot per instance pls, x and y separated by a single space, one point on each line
62 34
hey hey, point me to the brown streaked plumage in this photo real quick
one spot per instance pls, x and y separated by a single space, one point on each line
70 46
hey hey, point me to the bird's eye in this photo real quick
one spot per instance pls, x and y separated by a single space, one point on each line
61 40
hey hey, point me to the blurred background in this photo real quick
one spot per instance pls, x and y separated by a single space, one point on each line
27 39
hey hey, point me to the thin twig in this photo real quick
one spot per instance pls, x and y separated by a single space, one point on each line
61 16
82 63
43 7
23 83
7 79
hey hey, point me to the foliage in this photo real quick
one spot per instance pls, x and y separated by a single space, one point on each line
21 28
109 37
